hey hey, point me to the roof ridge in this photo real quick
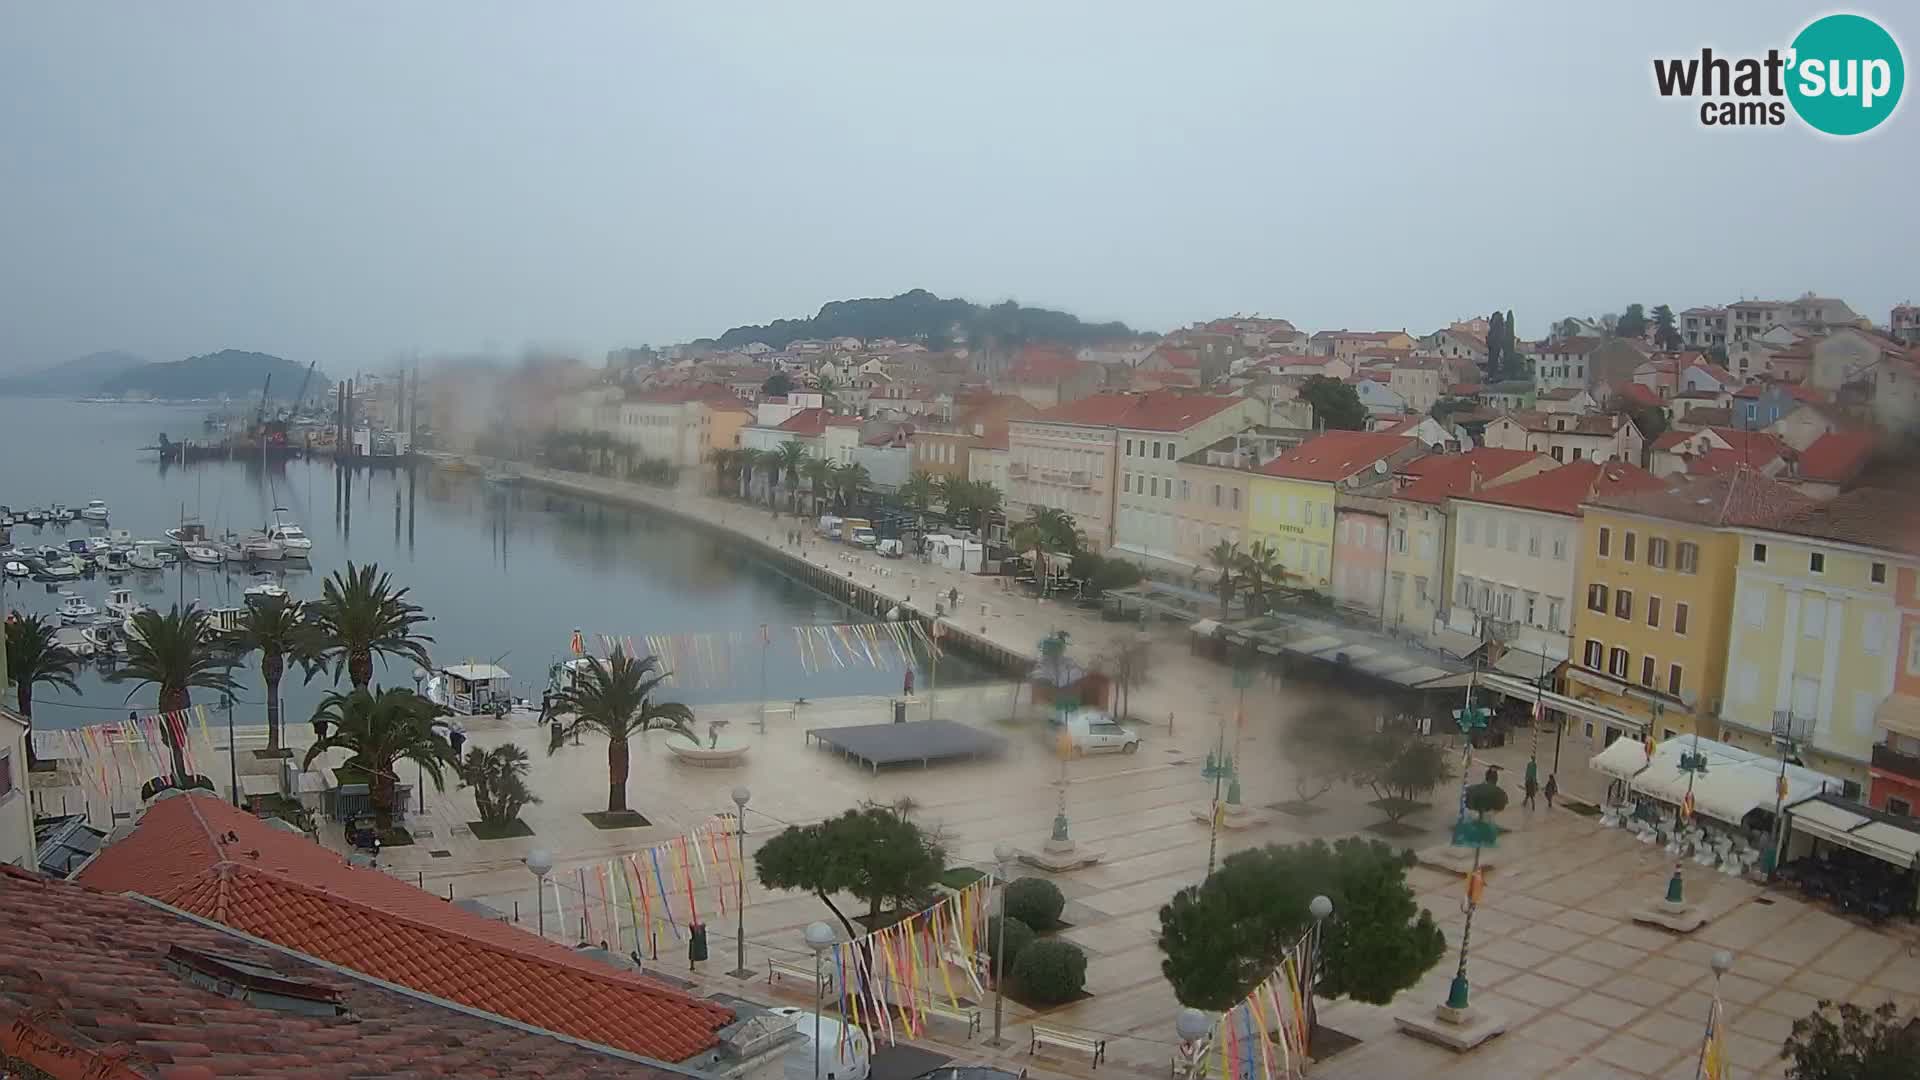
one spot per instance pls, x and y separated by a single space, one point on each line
558 955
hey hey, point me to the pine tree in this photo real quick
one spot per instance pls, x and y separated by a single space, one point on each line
1495 328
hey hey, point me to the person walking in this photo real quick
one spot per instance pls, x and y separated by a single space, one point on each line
1552 789
1531 785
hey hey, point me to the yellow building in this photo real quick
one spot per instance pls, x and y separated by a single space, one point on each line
1815 640
1656 585
1292 497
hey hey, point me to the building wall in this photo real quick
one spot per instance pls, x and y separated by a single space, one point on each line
16 805
1840 358
988 466
1065 466
1295 517
1359 559
1213 505
1701 652
1507 560
940 453
1417 552
1823 647
1146 502
1418 387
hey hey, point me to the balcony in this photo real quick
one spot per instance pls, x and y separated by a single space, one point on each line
1887 759
1016 472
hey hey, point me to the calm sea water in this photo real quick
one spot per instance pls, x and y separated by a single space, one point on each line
507 574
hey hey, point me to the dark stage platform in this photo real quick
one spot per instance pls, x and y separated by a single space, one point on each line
922 742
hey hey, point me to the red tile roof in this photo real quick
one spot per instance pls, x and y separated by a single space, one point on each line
1836 457
1440 477
1335 455
86 991
1045 363
681 394
1737 496
1872 517
1636 393
1570 346
295 893
1160 410
1563 490
1179 359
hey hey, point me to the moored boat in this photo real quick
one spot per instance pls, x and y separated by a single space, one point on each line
204 554
146 556
257 547
75 609
286 532
95 510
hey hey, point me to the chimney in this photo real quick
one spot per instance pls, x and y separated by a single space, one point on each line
1473 477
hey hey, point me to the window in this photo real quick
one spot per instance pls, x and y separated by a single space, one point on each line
1533 601
1463 596
1589 730
1236 498
1626 547
1899 807
1913 653
1606 541
1420 590
1216 494
1469 527
1680 619
1557 456
1493 533
1553 613
1184 491
1647 665
1533 541
1759 553
1687 557
1817 562
1129 447
1656 553
1878 573
1597 598
1617 663
1591 655
6 774
1400 540
1623 604
1653 612
1673 679
1559 546
1576 453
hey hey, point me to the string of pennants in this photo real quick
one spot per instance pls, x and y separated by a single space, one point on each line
121 755
889 977
629 899
708 660
1264 1037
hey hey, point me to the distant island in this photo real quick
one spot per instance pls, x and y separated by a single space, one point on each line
935 322
73 378
229 372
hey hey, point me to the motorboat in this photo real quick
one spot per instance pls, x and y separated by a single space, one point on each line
287 533
95 510
61 569
187 532
114 561
204 554
122 605
146 556
257 547
104 639
75 609
221 620
264 589
35 516
16 568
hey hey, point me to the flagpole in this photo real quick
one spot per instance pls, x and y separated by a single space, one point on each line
1712 1063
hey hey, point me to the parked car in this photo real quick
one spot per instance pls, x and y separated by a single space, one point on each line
847 1057
1094 732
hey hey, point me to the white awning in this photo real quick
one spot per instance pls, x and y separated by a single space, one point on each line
1736 781
478 672
1205 627
1868 835
1622 760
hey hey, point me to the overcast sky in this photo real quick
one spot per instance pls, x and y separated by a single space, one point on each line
346 182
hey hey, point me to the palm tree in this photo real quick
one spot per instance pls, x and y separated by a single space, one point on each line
616 699
787 461
278 631
175 652
359 614
1225 558
746 459
381 730
1260 568
983 501
918 493
851 480
35 657
1046 528
819 474
498 777
724 460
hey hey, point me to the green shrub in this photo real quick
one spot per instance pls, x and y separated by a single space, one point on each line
959 877
1019 936
1035 901
1050 972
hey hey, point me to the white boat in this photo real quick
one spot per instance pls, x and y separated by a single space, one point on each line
16 568
95 510
102 638
75 609
59 512
35 517
265 589
205 554
59 570
122 605
256 546
146 556
114 561
288 534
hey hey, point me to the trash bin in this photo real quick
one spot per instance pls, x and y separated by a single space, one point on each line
899 711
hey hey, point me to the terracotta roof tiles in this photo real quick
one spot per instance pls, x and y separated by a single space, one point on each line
1439 477
86 989
295 893
1836 457
1335 455
1736 496
1563 490
1871 517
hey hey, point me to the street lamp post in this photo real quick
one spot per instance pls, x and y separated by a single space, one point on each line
740 797
233 760
1003 854
540 861
1320 907
420 770
1712 1063
819 938
1194 1028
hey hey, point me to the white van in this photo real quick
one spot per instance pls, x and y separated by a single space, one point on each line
1094 732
